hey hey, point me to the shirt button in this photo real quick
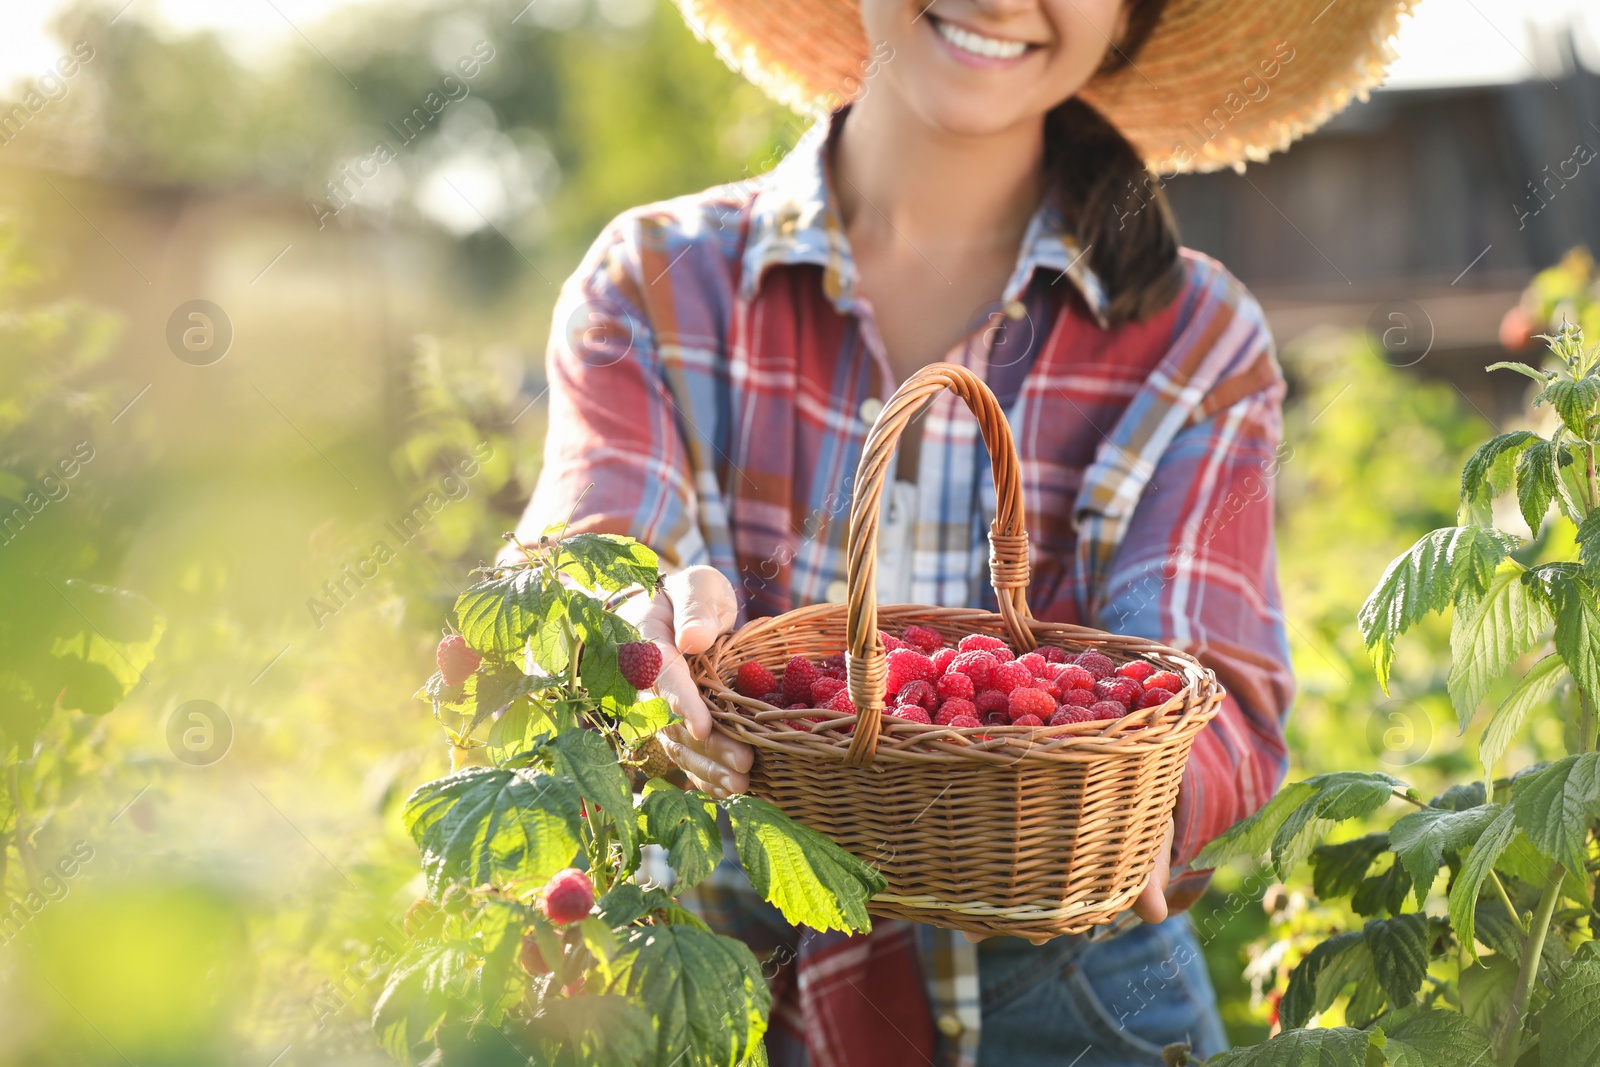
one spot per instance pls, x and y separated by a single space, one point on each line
870 409
949 1025
1015 310
838 592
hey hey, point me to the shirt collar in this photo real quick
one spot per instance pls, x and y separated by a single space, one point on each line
795 219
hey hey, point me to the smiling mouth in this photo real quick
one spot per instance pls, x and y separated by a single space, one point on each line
976 43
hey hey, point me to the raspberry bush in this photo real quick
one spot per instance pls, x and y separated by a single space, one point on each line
539 940
1481 904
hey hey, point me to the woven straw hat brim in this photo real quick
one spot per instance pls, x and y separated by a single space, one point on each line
1218 83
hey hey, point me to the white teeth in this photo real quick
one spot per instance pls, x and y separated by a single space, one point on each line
978 45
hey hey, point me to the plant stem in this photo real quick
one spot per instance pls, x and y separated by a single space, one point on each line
1587 724
1532 950
1505 898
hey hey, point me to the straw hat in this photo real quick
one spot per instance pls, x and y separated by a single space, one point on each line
1217 83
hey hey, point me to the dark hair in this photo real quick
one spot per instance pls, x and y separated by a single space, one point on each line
1107 196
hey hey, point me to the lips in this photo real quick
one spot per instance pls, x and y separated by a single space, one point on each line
980 46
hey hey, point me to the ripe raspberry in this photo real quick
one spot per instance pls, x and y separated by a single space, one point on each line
1037 665
841 701
1123 690
568 896
1009 676
1053 654
910 713
997 718
991 700
1033 702
952 709
531 958
456 661
1096 663
774 698
943 658
1155 697
980 642
923 639
956 684
1080 698
1164 680
833 666
1138 670
1027 720
824 688
798 674
907 665
1002 654
919 693
639 662
803 705
977 665
964 722
890 641
754 680
1073 676
1107 709
1049 685
1067 714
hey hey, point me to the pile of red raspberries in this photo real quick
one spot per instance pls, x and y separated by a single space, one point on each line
981 682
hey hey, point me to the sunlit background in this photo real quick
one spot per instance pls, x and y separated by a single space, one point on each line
206 669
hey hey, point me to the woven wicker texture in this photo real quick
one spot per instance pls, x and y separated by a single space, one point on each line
1013 830
1203 62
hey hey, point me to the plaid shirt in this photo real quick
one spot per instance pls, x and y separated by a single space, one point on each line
713 375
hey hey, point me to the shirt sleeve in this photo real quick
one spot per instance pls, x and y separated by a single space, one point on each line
1197 570
614 454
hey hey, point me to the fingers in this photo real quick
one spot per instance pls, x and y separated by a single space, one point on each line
703 606
1152 903
717 765
674 684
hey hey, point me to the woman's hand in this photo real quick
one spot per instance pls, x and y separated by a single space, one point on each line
696 606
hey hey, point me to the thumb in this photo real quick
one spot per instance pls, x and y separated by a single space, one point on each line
702 607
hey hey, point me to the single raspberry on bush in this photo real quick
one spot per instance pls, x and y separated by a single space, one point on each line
923 638
639 662
951 709
1053 654
991 700
977 665
956 684
1009 676
1027 720
568 896
1037 665
1025 701
798 674
1107 709
456 661
1164 680
754 680
1155 697
1002 654
1096 663
1067 714
980 643
1138 670
1080 698
910 713
531 958
840 701
890 641
824 688
920 692
1123 690
964 722
943 658
1073 676
907 665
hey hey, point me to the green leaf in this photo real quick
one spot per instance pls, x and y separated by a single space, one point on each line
598 669
1506 723
1421 838
608 561
1460 797
809 879
1540 376
1554 806
1469 882
1338 869
1573 401
1578 632
643 718
599 1028
1319 977
417 995
1569 1027
497 615
584 757
1489 636
705 992
1486 992
103 648
1366 1001
487 692
1385 891
1450 565
1252 835
1338 796
550 640
684 822
520 729
500 982
1399 948
493 824
1426 1037
1479 472
1536 482
1588 538
1341 1046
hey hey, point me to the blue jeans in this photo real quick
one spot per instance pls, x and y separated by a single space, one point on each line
1114 1003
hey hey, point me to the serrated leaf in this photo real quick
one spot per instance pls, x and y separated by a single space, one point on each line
499 923
1588 539
416 996
1536 482
488 692
1337 796
1251 836
520 729
1540 376
1426 1037
597 1028
584 756
1476 474
1486 992
1450 565
1508 718
684 822
1341 1046
1573 400
1399 948
493 824
643 718
1553 807
102 647
1318 979
1366 1001
705 992
1337 869
602 632
496 615
608 561
1488 637
1474 871
1578 632
1460 797
1569 1027
809 879
1384 891
1421 838
626 902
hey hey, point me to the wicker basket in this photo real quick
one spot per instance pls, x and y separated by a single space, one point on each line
1025 831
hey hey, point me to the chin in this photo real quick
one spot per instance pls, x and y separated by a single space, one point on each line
963 112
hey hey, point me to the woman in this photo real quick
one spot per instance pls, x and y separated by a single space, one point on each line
978 198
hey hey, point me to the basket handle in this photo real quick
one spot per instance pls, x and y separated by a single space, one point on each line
1008 537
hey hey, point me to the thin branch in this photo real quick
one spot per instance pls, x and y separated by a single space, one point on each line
1505 899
